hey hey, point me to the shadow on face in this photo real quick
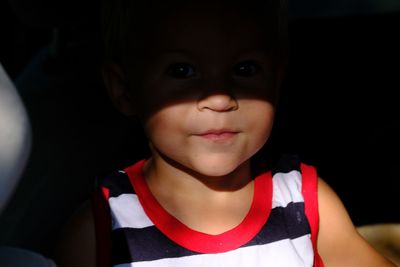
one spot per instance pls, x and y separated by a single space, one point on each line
201 50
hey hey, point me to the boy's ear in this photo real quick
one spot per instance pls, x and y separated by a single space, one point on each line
117 87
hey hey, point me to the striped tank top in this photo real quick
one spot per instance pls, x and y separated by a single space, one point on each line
280 229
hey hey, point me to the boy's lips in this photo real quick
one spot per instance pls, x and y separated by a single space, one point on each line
218 135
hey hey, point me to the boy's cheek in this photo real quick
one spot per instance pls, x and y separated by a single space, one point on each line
270 96
160 121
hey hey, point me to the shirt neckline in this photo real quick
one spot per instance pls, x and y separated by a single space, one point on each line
198 241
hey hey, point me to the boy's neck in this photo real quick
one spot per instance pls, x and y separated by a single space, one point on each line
210 205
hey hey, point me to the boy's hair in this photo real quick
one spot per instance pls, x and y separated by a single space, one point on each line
125 23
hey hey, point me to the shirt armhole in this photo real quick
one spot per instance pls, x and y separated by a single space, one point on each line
310 194
102 224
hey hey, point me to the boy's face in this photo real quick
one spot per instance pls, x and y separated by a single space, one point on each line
208 89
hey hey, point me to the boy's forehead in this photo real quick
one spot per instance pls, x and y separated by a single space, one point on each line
201 25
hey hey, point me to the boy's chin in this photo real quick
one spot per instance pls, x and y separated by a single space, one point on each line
215 167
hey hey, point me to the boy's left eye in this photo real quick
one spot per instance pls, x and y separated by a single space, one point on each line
181 71
246 68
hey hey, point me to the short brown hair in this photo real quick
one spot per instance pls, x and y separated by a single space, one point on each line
123 18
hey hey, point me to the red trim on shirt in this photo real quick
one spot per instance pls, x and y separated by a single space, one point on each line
310 194
106 192
198 241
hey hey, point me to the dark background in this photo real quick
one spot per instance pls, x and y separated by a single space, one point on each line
339 108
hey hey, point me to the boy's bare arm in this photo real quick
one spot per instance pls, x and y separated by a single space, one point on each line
339 243
76 246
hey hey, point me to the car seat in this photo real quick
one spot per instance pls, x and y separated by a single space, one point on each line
15 138
15 144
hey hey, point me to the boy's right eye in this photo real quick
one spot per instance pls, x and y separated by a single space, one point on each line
181 71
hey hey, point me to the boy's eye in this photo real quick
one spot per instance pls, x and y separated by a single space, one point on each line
181 70
246 68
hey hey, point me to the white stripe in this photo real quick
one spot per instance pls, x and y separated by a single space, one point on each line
126 211
286 189
285 253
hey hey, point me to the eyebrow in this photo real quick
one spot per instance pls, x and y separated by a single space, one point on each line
264 53
168 52
251 51
254 51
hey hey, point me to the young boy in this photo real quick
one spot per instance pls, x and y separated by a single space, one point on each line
203 79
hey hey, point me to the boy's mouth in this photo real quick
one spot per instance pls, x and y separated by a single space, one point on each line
218 135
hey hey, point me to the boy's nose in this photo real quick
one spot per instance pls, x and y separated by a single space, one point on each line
219 102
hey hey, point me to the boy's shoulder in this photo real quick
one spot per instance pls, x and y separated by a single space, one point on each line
76 244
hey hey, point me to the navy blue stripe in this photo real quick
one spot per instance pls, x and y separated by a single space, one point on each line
147 244
283 223
287 163
134 245
118 183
